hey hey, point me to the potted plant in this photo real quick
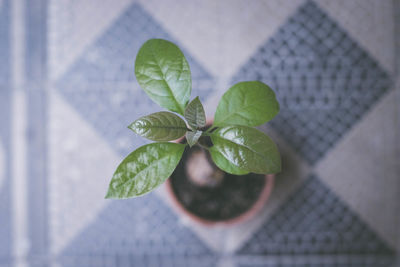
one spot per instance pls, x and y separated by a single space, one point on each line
220 171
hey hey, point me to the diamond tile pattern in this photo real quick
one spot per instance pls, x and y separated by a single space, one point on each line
137 232
314 221
105 74
102 87
111 57
324 80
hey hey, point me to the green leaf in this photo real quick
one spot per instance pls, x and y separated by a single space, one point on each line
247 148
224 164
195 115
160 126
193 137
248 104
144 169
163 72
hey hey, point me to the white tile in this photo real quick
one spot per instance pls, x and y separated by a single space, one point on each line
363 168
192 23
80 167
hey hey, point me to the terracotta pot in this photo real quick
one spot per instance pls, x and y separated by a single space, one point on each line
250 213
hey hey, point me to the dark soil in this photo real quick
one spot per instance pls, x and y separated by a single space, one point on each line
231 198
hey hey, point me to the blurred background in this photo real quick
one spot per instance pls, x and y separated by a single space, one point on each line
68 91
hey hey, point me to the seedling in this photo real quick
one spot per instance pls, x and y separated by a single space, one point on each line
235 146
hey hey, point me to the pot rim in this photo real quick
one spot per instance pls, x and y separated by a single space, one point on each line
247 215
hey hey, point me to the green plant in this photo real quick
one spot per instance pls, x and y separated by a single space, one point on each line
236 146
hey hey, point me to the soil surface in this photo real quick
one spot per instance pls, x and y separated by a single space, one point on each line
229 199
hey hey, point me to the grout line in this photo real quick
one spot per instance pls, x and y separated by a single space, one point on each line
18 140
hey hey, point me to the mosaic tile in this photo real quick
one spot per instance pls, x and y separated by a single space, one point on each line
363 261
139 232
363 172
370 23
314 221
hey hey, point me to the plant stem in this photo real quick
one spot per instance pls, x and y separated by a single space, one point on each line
210 129
203 146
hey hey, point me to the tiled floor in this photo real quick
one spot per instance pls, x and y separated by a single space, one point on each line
64 116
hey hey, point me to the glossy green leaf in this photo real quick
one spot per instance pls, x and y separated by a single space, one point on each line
224 164
247 148
145 169
193 137
195 115
163 72
160 126
247 103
